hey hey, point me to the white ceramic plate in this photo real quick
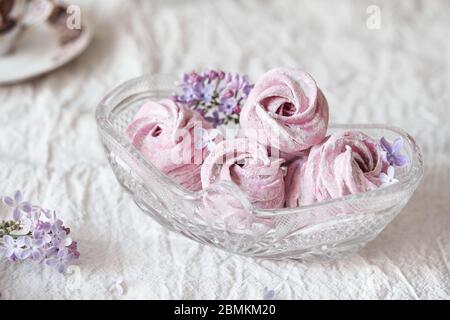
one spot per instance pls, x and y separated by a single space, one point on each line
39 51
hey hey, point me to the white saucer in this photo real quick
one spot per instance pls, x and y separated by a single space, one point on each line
39 51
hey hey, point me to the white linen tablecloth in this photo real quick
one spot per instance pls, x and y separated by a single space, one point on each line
398 74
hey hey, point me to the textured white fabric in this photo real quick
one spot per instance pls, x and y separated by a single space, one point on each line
398 75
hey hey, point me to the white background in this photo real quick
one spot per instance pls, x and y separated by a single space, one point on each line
396 75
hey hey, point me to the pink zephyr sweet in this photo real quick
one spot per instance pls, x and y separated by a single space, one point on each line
164 134
287 111
247 164
344 163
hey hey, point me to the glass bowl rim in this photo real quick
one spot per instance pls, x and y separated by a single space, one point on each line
107 130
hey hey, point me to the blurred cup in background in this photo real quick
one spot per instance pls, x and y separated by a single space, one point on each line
12 14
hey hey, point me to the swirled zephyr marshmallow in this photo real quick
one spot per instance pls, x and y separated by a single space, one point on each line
344 163
287 111
248 165
164 134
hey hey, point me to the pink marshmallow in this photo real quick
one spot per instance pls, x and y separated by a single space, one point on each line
344 163
164 134
287 111
248 165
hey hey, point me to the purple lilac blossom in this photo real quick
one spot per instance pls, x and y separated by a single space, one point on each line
391 153
20 207
268 294
19 248
43 237
214 119
61 260
214 94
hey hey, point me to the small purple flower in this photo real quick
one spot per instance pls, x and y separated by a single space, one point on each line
20 207
215 119
388 178
392 154
41 233
268 294
37 251
228 105
61 261
226 94
212 75
238 84
60 239
59 232
194 77
190 78
234 82
201 111
247 87
20 248
73 249
188 95
204 92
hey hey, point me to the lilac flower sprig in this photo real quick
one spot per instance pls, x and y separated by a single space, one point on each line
391 152
35 233
216 95
392 157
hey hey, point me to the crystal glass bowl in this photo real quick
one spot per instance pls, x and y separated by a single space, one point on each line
321 231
